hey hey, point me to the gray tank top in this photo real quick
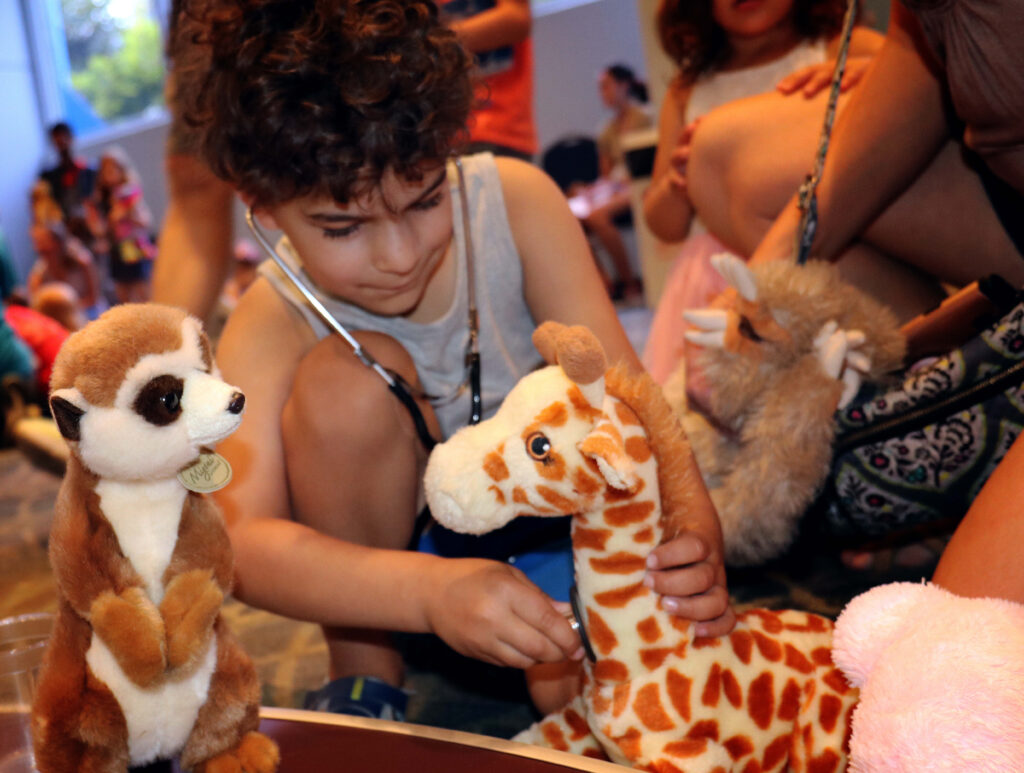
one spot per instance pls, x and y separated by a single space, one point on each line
438 348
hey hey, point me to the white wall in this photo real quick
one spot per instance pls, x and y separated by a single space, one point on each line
571 48
22 140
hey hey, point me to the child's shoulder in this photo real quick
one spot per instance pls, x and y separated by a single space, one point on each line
531 196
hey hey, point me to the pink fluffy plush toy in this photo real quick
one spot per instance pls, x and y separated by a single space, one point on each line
941 680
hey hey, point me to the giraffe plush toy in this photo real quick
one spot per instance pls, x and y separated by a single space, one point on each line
603 445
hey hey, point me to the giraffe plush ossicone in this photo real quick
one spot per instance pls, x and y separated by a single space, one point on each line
785 347
604 446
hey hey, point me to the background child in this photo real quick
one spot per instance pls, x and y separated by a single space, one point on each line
123 227
725 51
601 202
360 105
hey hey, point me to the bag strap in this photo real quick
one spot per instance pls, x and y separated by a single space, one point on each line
807 197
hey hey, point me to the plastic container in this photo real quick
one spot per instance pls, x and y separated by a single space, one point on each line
22 641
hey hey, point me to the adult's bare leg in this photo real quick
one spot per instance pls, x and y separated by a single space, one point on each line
354 471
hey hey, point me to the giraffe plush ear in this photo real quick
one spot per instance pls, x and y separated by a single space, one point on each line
604 446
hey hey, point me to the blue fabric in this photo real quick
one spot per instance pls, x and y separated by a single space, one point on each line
360 696
539 547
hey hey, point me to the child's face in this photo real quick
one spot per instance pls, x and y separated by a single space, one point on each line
751 18
612 92
379 251
110 173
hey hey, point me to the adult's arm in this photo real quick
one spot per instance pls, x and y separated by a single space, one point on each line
892 128
506 24
194 250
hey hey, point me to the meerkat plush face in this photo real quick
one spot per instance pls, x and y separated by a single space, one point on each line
142 397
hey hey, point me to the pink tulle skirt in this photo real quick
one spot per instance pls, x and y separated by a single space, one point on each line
690 284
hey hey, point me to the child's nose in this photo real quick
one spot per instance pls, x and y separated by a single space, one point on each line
399 253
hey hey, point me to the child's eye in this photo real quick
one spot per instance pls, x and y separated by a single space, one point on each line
340 233
429 203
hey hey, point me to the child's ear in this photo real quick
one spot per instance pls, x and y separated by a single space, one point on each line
262 214
68 406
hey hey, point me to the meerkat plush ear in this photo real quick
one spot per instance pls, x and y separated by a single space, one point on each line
68 407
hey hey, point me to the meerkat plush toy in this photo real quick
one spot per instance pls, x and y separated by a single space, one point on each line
141 666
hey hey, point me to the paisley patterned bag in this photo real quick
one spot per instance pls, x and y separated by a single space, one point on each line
919 453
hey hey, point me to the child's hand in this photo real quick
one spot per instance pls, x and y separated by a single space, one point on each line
815 78
691 578
490 611
680 157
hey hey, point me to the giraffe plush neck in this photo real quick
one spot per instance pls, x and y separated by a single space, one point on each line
602 445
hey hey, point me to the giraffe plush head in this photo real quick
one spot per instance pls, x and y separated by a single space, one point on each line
543 452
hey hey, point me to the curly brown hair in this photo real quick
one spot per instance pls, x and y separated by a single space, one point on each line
698 44
320 97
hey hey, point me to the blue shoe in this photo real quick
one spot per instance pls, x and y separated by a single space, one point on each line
360 696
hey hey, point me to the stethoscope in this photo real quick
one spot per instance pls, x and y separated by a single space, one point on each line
401 388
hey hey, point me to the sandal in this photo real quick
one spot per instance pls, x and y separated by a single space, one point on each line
361 696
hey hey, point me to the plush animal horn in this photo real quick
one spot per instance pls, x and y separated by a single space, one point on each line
737 273
544 339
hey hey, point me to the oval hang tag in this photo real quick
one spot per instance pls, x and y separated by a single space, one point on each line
210 472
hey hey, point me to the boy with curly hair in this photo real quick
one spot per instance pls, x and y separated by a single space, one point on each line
336 121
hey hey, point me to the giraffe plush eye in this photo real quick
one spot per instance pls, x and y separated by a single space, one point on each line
538 446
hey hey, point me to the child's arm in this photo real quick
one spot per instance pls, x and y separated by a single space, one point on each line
481 608
810 80
667 208
562 284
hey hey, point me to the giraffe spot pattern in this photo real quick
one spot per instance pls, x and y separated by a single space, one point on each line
618 598
678 686
519 496
618 563
627 415
835 679
664 766
582 409
561 503
712 687
826 762
638 449
789 701
731 688
822 656
644 536
601 635
610 670
752 766
552 468
688 747
578 725
829 709
554 415
769 620
761 700
625 515
739 746
584 483
742 644
654 657
594 539
620 698
797 660
495 467
768 647
649 709
554 736
776 751
629 743
499 495
649 629
706 642
705 728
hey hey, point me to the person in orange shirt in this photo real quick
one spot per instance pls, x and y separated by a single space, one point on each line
497 32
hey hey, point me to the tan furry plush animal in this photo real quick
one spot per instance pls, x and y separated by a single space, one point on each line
603 445
786 346
141 666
